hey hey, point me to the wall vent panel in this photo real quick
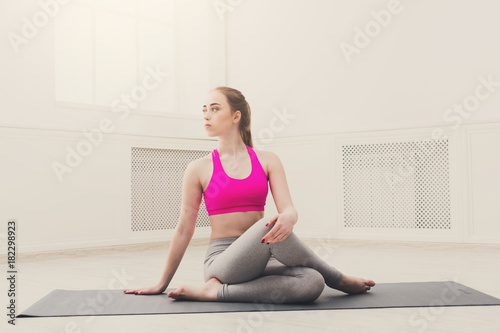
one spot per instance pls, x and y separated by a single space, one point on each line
156 188
398 185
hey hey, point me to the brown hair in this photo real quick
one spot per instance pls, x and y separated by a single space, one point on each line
237 102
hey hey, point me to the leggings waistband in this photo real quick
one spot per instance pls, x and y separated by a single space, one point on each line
219 241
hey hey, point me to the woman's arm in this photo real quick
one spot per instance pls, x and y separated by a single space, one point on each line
177 248
191 199
287 214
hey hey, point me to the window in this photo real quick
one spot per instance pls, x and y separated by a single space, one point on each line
105 49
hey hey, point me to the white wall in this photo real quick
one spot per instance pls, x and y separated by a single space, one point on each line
89 206
313 166
28 75
305 96
414 74
430 55
482 182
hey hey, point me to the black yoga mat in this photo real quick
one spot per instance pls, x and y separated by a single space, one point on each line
61 303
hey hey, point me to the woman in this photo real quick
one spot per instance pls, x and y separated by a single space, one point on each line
250 258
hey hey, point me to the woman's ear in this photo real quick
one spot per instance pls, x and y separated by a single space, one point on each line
237 116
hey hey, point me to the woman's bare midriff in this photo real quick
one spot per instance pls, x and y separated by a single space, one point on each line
233 224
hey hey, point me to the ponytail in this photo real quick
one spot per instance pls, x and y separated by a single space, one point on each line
238 102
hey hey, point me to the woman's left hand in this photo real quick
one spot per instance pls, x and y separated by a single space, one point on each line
283 227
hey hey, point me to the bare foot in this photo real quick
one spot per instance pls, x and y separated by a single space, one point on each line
354 285
207 292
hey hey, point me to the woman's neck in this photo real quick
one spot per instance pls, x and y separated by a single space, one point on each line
232 148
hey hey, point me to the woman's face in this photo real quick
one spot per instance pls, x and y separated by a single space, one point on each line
217 113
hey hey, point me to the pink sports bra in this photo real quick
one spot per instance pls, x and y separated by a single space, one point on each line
226 195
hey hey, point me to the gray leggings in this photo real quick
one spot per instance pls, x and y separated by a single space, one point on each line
283 272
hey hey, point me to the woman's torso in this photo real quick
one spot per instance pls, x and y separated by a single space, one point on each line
236 223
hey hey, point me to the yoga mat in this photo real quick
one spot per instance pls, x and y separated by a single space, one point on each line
60 303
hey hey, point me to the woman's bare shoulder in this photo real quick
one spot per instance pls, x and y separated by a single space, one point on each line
201 163
196 170
265 154
268 159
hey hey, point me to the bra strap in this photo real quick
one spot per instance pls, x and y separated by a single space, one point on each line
216 161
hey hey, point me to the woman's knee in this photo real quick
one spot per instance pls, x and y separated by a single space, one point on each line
317 284
307 286
258 229
313 285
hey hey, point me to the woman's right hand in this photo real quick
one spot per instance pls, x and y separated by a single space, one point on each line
157 289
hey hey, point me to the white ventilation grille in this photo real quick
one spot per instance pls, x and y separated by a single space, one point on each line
397 185
157 188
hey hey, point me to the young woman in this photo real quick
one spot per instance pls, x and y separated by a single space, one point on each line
250 258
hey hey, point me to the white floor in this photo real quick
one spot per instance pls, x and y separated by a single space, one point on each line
477 266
